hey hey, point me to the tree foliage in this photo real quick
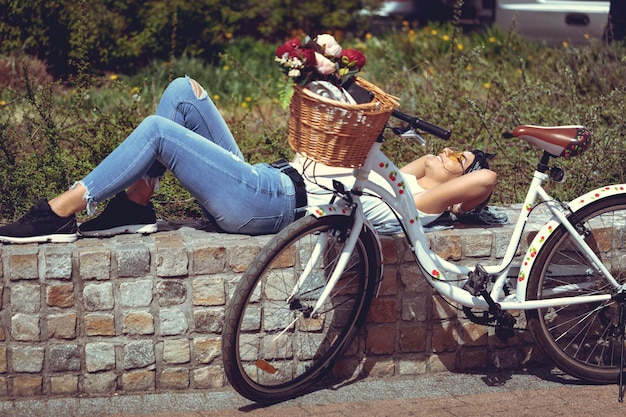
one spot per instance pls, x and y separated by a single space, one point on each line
122 35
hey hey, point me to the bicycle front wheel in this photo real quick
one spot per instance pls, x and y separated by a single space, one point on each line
273 347
583 340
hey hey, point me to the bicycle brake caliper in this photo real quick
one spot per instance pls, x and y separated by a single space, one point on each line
346 195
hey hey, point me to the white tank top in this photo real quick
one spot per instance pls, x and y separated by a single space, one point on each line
376 211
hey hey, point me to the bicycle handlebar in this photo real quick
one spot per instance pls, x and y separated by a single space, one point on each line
417 123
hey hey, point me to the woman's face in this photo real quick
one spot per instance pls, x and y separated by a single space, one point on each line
455 163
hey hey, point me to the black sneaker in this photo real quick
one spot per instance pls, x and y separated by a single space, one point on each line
40 225
121 215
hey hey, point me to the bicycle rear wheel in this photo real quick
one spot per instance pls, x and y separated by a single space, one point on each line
582 339
273 348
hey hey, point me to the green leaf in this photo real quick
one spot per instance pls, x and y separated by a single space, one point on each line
285 92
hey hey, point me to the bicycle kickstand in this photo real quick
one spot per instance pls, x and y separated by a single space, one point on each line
622 330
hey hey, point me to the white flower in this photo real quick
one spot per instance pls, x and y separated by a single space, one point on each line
324 65
330 45
296 63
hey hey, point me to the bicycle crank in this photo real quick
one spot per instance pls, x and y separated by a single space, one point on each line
504 322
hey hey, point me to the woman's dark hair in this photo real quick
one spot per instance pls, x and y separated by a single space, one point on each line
480 161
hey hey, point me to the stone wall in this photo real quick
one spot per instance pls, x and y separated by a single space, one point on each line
145 313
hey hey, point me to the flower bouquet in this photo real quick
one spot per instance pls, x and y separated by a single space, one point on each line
326 123
318 59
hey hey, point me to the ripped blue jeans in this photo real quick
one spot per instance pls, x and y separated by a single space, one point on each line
189 137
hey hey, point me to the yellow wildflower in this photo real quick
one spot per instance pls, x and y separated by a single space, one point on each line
446 38
492 39
3 103
368 36
459 46
565 44
228 35
216 97
112 77
244 105
433 32
487 85
428 72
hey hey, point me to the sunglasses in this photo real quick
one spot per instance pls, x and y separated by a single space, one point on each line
458 156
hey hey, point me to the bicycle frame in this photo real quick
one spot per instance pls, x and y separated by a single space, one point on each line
436 269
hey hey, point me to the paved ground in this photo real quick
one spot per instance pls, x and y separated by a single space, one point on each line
541 394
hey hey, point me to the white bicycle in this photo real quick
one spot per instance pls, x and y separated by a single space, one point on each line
302 300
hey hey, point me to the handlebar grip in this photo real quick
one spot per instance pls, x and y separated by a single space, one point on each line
440 132
402 116
418 123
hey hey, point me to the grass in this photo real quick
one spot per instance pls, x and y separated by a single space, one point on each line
479 85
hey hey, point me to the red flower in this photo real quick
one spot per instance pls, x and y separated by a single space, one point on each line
294 49
288 47
353 59
307 55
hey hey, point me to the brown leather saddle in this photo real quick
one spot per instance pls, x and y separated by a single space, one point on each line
564 141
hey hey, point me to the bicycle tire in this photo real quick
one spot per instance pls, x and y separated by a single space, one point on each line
271 351
582 339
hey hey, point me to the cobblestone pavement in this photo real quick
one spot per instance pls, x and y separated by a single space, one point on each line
543 394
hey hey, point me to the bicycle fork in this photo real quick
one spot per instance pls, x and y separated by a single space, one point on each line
340 265
318 251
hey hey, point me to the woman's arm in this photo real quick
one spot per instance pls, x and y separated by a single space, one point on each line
464 193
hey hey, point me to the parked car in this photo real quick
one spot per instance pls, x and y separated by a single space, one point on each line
553 20
549 20
430 10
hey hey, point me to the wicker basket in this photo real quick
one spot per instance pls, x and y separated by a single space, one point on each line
336 133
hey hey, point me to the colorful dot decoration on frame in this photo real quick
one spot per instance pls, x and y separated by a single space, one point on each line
598 193
323 211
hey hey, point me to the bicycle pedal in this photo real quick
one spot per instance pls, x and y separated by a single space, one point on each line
477 281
